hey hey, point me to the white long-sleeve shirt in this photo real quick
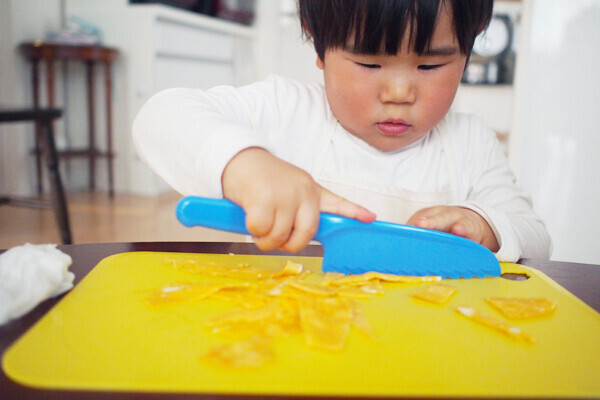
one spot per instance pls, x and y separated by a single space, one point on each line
187 136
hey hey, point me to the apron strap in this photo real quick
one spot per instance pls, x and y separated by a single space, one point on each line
450 160
323 147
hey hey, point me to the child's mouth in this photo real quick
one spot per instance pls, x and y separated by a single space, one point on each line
393 127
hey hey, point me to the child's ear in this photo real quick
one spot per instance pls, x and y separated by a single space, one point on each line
320 63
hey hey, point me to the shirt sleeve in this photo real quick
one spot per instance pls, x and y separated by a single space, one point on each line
494 194
187 136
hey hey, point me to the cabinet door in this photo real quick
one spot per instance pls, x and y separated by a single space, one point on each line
192 73
190 56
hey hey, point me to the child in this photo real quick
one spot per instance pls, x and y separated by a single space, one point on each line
377 140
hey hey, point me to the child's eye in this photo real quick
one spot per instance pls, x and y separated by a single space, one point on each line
428 67
370 66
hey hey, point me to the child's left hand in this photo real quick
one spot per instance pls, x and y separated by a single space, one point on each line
457 221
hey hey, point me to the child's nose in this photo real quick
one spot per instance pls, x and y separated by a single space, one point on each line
398 91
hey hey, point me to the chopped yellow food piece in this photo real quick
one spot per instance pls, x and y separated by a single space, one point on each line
522 308
360 322
313 289
436 293
186 291
172 292
361 292
240 315
325 321
240 271
331 276
274 319
370 276
510 330
254 297
229 297
289 269
250 353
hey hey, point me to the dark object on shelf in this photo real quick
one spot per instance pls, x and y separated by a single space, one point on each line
241 11
492 61
43 119
90 55
199 6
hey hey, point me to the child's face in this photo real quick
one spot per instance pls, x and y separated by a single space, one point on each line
391 101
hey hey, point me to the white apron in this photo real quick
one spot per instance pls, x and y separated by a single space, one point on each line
390 203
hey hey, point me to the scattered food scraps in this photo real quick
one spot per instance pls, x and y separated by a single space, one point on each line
436 293
240 271
510 330
186 291
522 308
325 321
278 303
361 279
250 353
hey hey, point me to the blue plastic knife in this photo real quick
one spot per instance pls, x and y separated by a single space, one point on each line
354 247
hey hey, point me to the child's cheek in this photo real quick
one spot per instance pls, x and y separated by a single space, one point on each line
435 107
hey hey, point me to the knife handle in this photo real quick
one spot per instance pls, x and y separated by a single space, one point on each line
219 214
225 215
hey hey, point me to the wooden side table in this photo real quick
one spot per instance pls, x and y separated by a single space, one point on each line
48 53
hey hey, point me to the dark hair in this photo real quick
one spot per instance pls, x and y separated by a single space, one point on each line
373 23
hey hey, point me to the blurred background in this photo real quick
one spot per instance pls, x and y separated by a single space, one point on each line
532 78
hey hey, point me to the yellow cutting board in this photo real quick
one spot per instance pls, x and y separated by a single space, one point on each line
102 336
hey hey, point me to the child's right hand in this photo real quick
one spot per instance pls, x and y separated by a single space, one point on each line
282 202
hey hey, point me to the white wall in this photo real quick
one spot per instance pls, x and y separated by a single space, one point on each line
280 48
557 122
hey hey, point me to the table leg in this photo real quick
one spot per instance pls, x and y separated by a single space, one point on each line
109 147
50 82
50 87
92 125
35 86
58 194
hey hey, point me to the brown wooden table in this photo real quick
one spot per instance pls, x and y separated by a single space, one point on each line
583 280
49 53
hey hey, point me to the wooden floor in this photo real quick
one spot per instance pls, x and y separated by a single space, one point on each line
97 219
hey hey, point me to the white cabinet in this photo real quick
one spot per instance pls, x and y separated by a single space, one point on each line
491 103
161 47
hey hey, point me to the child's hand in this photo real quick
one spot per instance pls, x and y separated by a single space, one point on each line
282 202
458 221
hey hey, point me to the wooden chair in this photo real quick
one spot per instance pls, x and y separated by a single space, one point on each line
43 119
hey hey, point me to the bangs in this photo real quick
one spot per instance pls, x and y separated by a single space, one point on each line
379 26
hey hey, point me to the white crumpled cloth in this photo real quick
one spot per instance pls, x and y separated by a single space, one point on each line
30 274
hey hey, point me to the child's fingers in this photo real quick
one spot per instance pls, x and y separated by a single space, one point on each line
259 220
281 228
430 218
462 228
446 219
290 229
458 221
305 228
334 204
